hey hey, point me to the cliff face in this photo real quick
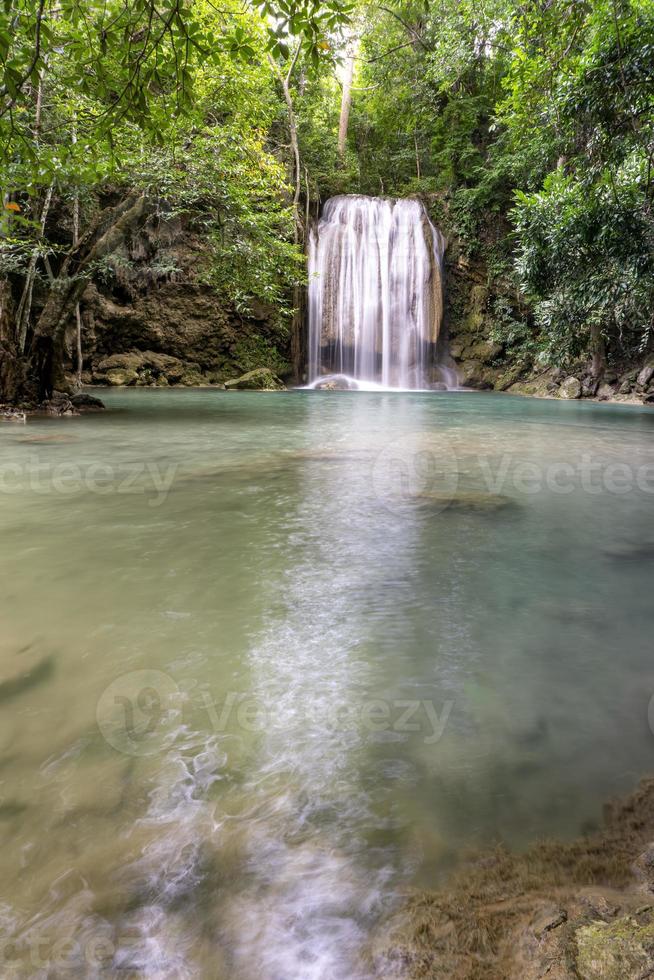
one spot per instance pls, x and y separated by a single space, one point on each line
153 298
150 317
472 299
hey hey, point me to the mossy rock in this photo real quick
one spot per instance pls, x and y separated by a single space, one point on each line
144 368
620 950
262 379
465 500
119 377
570 388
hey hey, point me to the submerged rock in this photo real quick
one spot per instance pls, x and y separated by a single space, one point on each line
86 403
24 671
471 500
261 379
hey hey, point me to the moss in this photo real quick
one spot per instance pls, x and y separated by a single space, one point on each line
620 950
260 379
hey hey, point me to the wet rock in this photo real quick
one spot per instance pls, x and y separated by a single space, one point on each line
261 379
12 414
336 382
86 403
570 388
25 670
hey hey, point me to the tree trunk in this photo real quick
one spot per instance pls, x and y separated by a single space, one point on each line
12 366
46 355
346 101
597 351
25 305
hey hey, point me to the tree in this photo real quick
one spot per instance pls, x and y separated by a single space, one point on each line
123 77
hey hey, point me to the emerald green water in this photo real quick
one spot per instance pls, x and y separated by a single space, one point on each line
267 659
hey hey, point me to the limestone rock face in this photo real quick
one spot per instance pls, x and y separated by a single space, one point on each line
261 379
157 302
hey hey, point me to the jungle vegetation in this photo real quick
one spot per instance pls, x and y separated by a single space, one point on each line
527 128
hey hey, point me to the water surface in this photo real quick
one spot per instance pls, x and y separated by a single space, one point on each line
268 659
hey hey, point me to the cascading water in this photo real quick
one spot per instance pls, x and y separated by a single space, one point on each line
375 293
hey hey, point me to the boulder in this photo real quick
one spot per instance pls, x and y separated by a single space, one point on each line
86 403
570 388
261 379
485 351
119 377
605 392
628 382
645 375
473 375
146 368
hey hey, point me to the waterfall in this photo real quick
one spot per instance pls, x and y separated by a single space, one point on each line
375 292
